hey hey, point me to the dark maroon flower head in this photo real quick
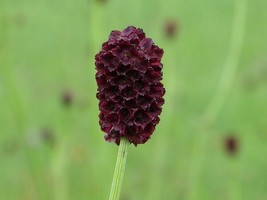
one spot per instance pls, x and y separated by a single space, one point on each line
130 93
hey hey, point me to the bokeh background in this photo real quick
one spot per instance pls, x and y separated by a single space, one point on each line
211 142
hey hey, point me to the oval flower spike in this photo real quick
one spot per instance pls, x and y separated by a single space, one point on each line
130 94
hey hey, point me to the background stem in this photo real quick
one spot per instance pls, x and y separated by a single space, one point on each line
218 100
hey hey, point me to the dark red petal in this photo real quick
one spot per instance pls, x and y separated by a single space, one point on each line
106 58
101 82
121 81
160 101
131 130
149 129
123 54
140 65
117 99
130 103
114 35
112 118
107 106
153 76
144 101
157 90
140 33
101 72
121 69
111 91
128 93
124 114
146 44
113 136
157 53
156 65
141 118
128 31
105 126
154 110
134 74
100 96
140 85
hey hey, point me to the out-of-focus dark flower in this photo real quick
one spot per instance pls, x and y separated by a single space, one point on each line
102 1
47 135
67 98
130 93
171 28
231 144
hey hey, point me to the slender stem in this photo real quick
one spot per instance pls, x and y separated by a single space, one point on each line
119 170
218 100
231 64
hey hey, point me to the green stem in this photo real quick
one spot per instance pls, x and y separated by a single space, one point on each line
218 100
231 64
119 170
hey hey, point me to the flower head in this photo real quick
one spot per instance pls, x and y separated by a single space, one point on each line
130 93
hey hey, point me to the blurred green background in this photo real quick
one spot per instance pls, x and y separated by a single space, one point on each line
215 75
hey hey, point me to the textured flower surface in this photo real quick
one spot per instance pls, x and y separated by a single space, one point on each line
130 93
